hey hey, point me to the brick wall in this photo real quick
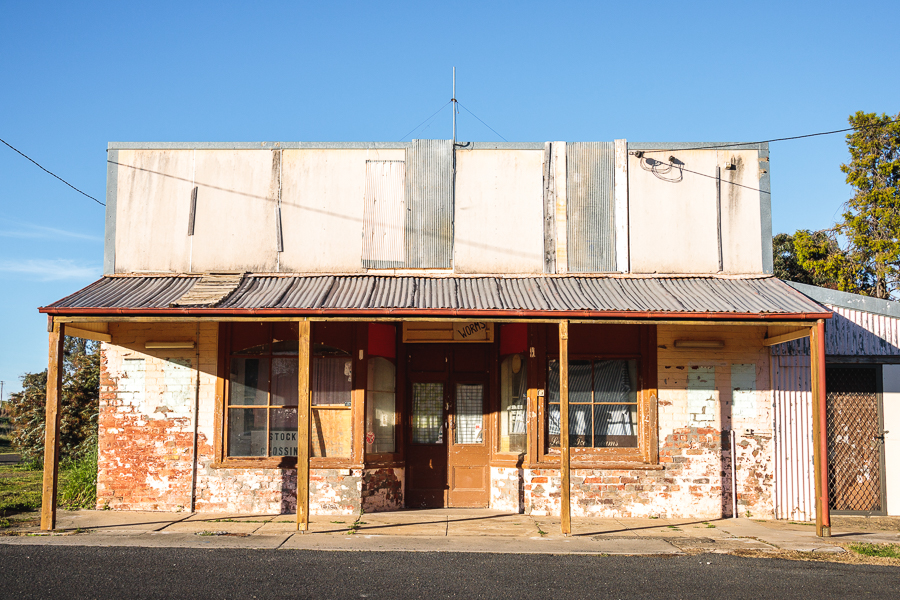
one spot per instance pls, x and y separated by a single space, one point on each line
703 392
146 434
507 492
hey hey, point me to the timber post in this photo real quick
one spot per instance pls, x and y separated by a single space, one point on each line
303 411
565 509
55 369
820 443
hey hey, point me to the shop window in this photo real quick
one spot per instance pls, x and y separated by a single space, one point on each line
262 396
262 400
603 404
513 403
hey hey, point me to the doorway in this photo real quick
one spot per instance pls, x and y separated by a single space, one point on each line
855 439
448 432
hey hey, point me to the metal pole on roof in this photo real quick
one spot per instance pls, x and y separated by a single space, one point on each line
453 99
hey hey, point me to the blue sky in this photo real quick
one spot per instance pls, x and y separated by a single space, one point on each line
78 75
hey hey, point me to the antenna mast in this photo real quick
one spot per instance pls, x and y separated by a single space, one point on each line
453 99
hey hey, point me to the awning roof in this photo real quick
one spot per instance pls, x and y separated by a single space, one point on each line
571 296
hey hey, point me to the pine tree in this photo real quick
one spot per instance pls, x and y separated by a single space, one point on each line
862 252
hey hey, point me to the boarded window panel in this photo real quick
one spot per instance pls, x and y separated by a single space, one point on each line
429 204
590 212
384 221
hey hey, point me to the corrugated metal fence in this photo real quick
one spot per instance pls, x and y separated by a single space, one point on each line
794 489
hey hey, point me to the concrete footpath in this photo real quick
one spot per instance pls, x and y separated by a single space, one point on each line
449 530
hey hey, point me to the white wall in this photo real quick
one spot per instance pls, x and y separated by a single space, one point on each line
322 208
891 404
672 216
499 211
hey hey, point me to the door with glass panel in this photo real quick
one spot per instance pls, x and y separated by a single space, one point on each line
447 456
467 462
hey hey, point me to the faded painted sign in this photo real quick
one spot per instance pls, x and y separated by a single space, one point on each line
701 395
743 394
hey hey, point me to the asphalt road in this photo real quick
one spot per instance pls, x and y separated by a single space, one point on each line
91 572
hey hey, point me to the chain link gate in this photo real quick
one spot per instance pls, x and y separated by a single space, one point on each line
855 439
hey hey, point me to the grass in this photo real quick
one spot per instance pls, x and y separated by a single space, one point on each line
21 486
876 550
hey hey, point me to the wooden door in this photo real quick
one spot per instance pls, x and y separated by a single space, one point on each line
448 452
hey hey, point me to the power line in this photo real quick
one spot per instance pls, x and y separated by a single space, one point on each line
426 120
482 122
784 139
51 173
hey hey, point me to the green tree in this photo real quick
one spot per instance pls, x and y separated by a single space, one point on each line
787 264
80 405
862 252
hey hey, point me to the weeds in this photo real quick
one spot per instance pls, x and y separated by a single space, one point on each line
878 550
80 487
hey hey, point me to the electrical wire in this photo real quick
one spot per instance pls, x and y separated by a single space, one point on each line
784 139
482 122
426 120
51 173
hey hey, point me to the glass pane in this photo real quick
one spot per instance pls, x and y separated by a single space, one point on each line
331 432
382 427
580 425
615 425
579 381
381 407
615 381
285 381
469 409
247 432
513 400
553 430
428 413
249 381
283 432
331 380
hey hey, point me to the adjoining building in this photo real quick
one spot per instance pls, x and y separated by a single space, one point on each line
862 369
393 322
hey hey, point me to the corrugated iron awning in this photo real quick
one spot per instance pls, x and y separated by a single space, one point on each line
549 296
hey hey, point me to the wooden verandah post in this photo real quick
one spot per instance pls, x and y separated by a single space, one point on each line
303 410
565 509
820 444
51 434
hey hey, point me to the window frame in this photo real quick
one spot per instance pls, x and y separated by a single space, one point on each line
646 454
356 408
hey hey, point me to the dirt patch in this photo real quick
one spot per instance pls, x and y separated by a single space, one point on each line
848 557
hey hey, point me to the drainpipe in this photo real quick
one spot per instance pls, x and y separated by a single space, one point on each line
734 513
195 419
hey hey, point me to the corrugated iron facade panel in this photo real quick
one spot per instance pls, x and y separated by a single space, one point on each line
429 204
794 483
852 333
590 210
363 292
384 215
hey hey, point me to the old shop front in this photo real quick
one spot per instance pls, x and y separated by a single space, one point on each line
412 406
552 328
